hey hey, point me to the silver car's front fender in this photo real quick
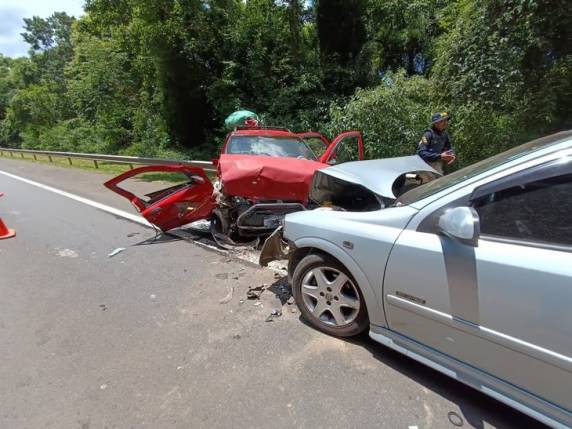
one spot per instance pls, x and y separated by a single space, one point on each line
374 307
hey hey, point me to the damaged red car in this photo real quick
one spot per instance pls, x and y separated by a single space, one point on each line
263 173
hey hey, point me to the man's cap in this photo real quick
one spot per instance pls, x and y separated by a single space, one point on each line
440 116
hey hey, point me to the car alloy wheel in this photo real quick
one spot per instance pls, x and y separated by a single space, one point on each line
330 296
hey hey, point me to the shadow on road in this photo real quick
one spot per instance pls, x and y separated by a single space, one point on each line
160 238
282 290
477 410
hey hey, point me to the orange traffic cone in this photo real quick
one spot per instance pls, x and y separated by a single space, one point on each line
5 232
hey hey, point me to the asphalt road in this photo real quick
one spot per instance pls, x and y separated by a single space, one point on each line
141 339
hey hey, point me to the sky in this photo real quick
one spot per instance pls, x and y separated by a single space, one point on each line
12 13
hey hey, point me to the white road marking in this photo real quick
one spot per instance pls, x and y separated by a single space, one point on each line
106 208
253 259
83 200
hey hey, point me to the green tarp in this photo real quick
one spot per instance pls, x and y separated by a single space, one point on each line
238 117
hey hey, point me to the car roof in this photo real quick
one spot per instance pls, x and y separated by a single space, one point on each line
270 132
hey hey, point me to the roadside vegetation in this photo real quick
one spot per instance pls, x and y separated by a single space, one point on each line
157 78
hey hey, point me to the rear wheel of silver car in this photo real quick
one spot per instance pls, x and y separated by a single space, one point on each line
328 296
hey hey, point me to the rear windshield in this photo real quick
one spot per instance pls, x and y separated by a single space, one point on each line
270 146
458 176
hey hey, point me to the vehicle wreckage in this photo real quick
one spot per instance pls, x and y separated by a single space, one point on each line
263 173
356 187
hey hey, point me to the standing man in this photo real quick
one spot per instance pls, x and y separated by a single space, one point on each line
435 147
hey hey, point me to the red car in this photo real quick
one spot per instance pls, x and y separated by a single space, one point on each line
263 174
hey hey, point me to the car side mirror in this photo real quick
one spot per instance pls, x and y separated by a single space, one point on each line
461 223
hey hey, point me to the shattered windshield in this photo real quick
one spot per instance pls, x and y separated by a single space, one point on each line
270 146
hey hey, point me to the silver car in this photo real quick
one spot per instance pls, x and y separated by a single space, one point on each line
470 274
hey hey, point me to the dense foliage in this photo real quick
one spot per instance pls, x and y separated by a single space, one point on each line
158 77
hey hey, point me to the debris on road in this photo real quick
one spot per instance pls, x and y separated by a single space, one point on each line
254 292
228 297
68 253
133 234
102 307
275 313
203 225
258 304
221 276
116 251
282 290
455 419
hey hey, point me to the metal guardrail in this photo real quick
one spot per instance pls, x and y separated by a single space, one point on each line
129 160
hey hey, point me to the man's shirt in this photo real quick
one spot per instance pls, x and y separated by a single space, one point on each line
432 144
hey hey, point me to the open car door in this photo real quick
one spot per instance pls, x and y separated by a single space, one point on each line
317 142
173 206
348 146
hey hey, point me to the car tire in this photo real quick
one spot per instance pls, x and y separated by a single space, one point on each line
329 303
218 223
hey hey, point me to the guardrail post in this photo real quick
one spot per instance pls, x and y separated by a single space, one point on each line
69 160
22 155
50 158
131 166
96 165
35 157
12 154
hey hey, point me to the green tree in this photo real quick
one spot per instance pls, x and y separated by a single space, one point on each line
391 116
511 57
401 33
38 100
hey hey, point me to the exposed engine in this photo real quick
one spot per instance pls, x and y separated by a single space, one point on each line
329 192
238 217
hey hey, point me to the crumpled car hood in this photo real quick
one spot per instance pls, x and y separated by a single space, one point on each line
267 177
379 175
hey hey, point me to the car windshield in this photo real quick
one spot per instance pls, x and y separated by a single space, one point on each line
289 147
458 176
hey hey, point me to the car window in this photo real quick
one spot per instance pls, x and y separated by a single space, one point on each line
316 144
346 150
270 146
539 211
